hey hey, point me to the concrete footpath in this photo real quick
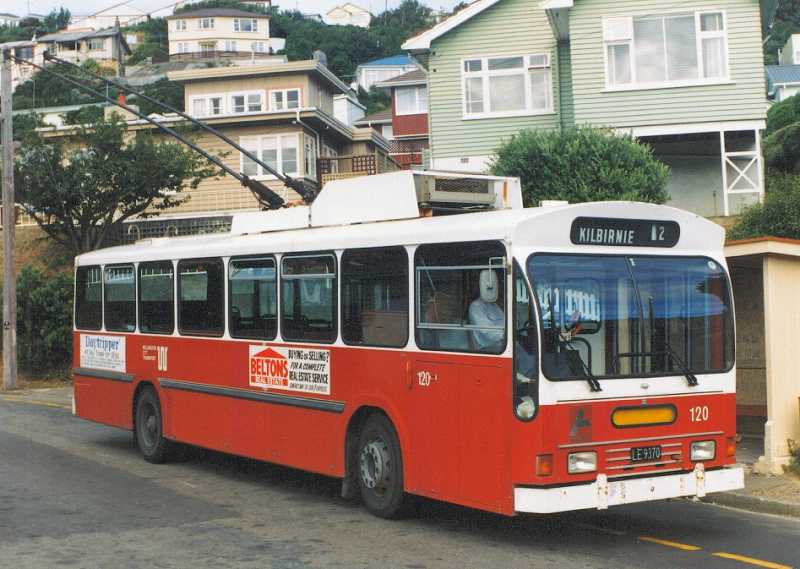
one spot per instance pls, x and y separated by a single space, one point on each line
779 495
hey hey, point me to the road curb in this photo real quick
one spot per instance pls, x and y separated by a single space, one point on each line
754 504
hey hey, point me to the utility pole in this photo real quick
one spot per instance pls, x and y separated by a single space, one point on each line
9 222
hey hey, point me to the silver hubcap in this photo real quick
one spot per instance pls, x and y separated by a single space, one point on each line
376 466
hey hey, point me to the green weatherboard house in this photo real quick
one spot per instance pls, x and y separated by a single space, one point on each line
687 77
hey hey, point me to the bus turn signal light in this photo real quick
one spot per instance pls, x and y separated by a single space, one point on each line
544 465
642 416
730 448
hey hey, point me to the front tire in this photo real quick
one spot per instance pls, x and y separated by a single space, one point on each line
380 469
149 428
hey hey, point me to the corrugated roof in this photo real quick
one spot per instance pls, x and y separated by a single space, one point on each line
399 59
64 36
221 12
7 15
783 73
379 117
416 77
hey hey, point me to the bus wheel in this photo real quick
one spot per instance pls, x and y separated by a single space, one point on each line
149 428
380 469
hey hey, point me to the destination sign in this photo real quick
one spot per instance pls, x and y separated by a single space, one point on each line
624 232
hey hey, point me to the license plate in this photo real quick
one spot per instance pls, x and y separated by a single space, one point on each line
640 454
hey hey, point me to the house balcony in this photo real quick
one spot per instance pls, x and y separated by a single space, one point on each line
343 167
221 54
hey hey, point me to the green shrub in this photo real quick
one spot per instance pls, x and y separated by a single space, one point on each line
782 114
777 216
44 321
782 149
582 165
794 462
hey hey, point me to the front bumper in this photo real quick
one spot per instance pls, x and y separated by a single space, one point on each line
602 493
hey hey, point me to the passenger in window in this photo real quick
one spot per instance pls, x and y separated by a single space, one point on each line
484 312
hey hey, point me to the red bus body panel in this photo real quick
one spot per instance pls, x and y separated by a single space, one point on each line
460 439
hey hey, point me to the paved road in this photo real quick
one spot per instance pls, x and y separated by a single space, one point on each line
75 494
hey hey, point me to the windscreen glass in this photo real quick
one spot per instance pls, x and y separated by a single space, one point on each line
618 316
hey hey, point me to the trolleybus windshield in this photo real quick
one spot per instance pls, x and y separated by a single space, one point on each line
632 316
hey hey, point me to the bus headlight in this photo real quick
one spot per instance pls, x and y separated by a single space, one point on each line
578 462
526 407
703 450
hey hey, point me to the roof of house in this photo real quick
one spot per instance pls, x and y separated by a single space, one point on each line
400 59
415 77
216 73
221 12
781 75
422 41
81 35
8 15
381 117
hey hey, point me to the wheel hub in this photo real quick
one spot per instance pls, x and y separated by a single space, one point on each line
375 465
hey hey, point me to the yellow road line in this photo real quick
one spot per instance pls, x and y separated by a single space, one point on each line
675 544
751 560
35 402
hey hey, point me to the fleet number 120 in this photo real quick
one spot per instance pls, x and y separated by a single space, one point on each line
699 413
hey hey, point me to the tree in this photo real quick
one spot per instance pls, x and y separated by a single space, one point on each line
786 23
392 27
47 90
81 191
582 165
164 90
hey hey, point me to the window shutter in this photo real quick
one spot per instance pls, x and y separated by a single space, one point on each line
617 29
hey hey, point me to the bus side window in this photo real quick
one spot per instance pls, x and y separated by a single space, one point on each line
200 284
460 297
308 297
88 298
375 297
156 298
253 298
119 297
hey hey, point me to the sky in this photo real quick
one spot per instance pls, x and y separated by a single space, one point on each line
20 7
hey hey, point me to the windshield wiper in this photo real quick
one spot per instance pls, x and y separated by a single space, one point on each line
691 379
594 385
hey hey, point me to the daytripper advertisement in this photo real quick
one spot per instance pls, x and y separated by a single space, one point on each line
103 352
291 369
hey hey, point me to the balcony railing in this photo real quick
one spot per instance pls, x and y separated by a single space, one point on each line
219 54
342 167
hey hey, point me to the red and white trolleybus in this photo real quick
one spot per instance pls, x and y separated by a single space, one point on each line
509 359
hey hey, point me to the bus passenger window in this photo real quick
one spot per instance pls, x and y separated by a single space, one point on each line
308 293
461 297
200 284
120 298
88 298
156 298
375 297
253 299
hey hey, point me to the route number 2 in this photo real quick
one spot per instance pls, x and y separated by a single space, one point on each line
424 378
699 413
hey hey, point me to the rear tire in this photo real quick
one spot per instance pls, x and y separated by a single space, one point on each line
149 428
380 469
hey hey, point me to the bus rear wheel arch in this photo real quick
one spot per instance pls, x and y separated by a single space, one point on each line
148 426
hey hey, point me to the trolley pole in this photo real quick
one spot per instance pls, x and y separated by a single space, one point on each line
9 222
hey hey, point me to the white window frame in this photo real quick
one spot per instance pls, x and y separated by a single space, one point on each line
205 23
237 25
183 47
259 44
102 42
246 95
256 143
634 85
207 102
310 155
285 93
231 45
485 74
418 108
180 25
203 44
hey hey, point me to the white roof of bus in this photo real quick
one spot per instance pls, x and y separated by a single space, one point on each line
545 227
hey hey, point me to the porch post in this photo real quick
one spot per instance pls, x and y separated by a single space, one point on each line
723 159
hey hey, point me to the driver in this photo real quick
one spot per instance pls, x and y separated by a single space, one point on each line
484 312
573 327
